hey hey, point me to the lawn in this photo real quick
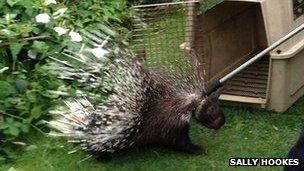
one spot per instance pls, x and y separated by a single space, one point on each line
247 133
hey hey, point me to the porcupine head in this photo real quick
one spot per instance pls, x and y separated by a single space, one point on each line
208 112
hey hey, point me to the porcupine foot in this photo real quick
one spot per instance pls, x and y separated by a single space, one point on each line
188 147
193 149
183 143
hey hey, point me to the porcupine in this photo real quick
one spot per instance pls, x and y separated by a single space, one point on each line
144 106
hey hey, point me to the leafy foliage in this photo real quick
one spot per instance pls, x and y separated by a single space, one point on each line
24 99
30 31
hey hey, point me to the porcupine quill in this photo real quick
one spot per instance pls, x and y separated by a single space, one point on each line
145 105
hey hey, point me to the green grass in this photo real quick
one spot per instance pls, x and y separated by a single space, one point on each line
247 133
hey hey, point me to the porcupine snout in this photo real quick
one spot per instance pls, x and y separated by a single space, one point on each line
208 113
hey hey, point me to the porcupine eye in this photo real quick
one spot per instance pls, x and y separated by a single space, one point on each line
211 110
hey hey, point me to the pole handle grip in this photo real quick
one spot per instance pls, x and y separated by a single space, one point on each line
213 86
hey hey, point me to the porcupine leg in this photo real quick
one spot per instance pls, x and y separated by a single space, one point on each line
183 142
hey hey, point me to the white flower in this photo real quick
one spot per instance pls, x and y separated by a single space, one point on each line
60 30
99 52
48 2
60 12
43 18
75 37
6 31
7 17
3 69
0 41
32 54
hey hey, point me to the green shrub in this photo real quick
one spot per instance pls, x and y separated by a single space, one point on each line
30 31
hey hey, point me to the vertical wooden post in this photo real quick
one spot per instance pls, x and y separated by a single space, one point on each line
190 27
196 59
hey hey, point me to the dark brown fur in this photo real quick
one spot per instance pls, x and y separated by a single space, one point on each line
164 120
162 124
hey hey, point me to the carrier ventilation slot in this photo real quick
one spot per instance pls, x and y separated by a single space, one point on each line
251 82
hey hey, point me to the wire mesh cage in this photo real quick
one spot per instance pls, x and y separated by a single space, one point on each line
161 31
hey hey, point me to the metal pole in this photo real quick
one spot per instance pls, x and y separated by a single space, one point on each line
261 54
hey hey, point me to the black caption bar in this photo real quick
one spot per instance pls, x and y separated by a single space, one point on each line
263 162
